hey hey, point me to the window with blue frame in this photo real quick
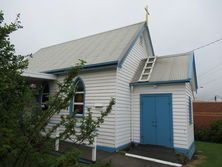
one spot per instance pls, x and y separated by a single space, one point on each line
77 104
190 111
44 95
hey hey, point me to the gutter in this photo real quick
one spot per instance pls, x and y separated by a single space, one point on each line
38 75
160 82
89 67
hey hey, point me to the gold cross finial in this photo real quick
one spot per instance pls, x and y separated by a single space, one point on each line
147 13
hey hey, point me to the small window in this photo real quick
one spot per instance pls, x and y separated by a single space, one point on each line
190 111
77 104
45 96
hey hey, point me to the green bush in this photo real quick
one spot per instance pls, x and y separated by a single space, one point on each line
201 134
213 134
216 132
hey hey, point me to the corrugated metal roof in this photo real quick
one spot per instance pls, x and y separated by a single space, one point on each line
99 48
167 68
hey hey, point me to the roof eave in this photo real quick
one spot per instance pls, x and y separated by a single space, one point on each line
133 41
38 75
88 67
160 82
192 69
130 46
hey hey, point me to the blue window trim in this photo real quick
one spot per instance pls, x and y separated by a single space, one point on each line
190 111
71 106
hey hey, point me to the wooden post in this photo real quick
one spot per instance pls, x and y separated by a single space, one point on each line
57 140
94 150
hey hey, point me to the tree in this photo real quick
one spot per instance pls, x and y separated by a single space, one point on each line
25 141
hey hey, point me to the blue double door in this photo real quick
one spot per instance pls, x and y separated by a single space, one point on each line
156 126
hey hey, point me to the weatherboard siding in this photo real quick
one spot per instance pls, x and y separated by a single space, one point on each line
124 77
100 87
178 91
190 127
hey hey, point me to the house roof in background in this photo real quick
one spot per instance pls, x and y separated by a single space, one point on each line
171 68
100 48
38 75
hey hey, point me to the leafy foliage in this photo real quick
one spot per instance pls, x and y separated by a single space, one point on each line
213 134
24 138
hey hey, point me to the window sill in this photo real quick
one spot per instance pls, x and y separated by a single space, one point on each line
79 115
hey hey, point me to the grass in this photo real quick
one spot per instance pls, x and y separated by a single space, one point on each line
208 155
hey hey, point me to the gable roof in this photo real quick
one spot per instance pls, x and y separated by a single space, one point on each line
168 69
107 47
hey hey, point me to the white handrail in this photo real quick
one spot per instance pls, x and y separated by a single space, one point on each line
93 146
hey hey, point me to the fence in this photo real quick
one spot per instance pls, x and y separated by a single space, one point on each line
206 112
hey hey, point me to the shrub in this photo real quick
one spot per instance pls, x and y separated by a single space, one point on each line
213 134
216 132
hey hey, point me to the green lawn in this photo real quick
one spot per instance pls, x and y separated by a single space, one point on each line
212 153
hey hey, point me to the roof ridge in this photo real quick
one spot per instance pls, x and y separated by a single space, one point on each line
93 35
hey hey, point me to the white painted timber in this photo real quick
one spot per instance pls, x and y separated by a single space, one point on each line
190 132
179 111
124 77
100 87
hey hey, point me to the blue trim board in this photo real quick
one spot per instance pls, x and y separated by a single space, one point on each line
149 37
85 67
110 63
187 152
130 46
159 82
112 149
192 69
195 72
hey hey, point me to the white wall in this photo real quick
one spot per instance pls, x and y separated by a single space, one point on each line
100 86
179 96
124 77
190 127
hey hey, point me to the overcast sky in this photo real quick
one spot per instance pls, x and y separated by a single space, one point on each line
175 26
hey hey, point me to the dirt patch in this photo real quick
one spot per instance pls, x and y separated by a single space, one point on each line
197 159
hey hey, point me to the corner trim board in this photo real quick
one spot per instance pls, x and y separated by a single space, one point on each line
187 152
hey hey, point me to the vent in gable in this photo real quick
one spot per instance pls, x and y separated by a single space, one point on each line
147 69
